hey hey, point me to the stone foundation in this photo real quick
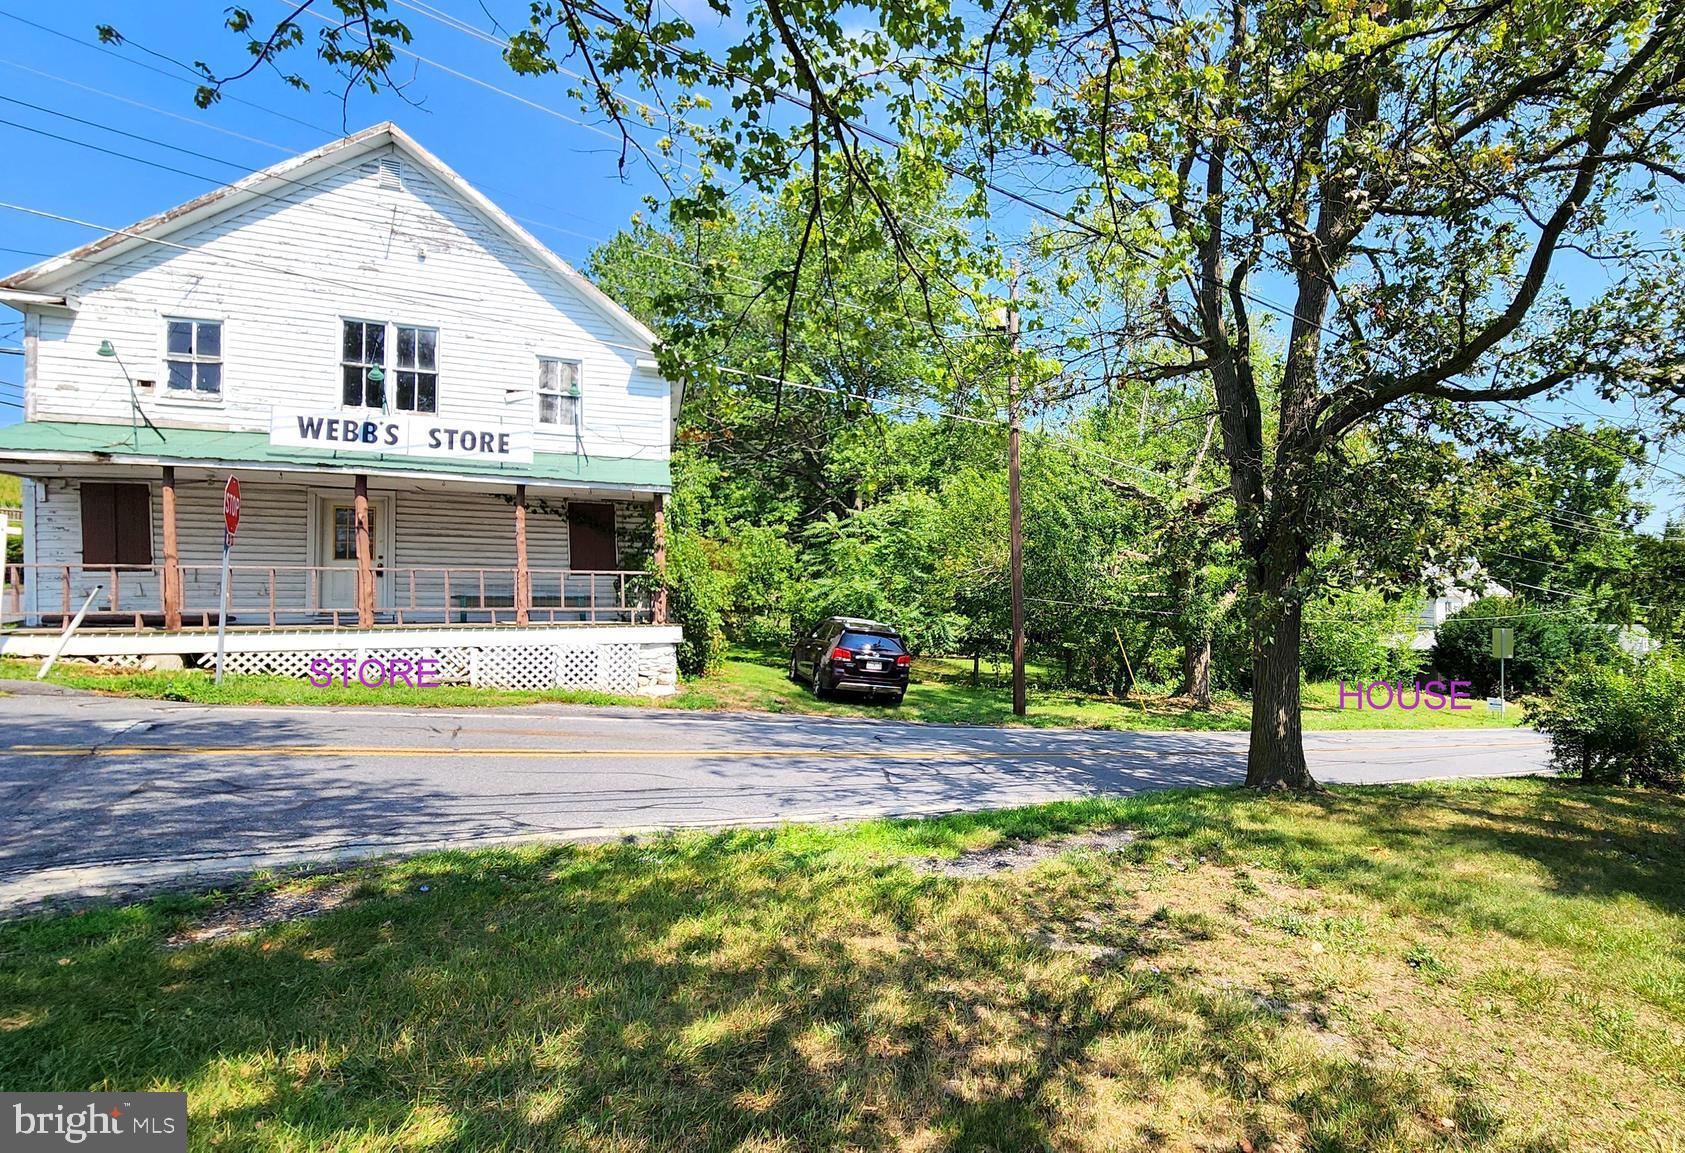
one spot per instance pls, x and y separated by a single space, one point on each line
658 669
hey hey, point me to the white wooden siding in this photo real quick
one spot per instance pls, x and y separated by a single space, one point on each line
282 271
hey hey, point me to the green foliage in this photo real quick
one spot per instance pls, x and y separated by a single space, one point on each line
759 572
1555 510
696 603
883 563
1360 635
696 585
1615 723
1547 639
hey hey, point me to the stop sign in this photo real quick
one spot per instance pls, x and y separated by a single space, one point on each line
231 505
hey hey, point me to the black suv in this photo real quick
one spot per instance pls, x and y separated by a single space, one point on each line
854 655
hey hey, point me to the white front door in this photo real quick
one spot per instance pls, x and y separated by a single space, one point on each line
336 550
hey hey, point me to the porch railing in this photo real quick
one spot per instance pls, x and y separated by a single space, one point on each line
132 595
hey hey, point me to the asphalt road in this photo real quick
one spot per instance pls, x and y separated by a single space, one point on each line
109 795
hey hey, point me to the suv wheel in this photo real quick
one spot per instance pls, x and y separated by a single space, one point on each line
820 689
794 675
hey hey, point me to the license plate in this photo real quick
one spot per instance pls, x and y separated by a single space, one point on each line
874 666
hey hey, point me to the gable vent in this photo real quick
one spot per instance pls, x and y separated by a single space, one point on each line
389 172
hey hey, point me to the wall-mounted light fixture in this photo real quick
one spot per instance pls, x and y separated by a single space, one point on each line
107 349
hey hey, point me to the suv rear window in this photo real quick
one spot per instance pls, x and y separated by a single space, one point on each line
861 640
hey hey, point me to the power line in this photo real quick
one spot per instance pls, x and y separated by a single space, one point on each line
326 133
200 123
253 171
489 86
159 71
955 171
1574 432
778 93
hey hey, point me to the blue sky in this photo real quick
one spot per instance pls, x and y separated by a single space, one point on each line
527 147
559 177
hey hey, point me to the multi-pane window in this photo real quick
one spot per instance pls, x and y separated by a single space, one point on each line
362 356
418 369
345 531
558 392
193 356
414 372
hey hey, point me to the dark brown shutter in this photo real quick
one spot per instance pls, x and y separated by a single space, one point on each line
99 524
134 524
591 536
116 524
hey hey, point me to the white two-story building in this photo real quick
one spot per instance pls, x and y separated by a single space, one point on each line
447 441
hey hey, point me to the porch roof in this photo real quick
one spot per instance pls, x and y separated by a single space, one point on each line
60 442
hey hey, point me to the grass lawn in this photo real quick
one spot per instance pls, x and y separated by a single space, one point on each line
1497 966
941 693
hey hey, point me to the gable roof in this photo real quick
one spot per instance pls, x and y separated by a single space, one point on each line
46 282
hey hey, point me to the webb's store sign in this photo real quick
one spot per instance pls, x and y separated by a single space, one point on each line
402 434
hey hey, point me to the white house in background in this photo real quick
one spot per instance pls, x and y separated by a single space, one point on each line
448 441
1453 595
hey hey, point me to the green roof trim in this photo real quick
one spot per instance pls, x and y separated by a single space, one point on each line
253 448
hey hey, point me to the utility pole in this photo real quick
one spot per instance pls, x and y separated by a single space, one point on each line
1017 512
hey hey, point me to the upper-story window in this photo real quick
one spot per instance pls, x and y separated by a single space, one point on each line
418 369
193 357
410 384
558 392
362 360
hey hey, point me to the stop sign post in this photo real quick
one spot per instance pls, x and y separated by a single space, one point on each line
230 522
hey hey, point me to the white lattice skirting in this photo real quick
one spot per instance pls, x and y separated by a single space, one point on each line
627 659
611 668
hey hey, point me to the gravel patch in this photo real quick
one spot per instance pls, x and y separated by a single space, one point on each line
259 912
1022 854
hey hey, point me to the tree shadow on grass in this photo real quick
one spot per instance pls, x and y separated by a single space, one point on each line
705 993
1605 843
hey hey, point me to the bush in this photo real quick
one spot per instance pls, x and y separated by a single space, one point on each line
1546 642
696 596
759 569
1360 635
1618 723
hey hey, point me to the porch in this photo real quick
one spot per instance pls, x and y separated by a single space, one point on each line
272 596
498 582
332 550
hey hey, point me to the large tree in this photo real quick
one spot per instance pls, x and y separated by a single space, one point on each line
1395 185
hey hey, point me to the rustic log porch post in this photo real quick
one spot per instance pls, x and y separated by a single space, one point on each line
365 556
172 554
660 603
523 575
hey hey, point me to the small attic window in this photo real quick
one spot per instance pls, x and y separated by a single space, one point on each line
389 172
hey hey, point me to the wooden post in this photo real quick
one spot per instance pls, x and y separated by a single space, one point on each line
523 577
172 555
365 556
1015 516
661 558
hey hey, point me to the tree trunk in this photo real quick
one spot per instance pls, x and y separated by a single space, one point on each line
1196 669
1276 756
